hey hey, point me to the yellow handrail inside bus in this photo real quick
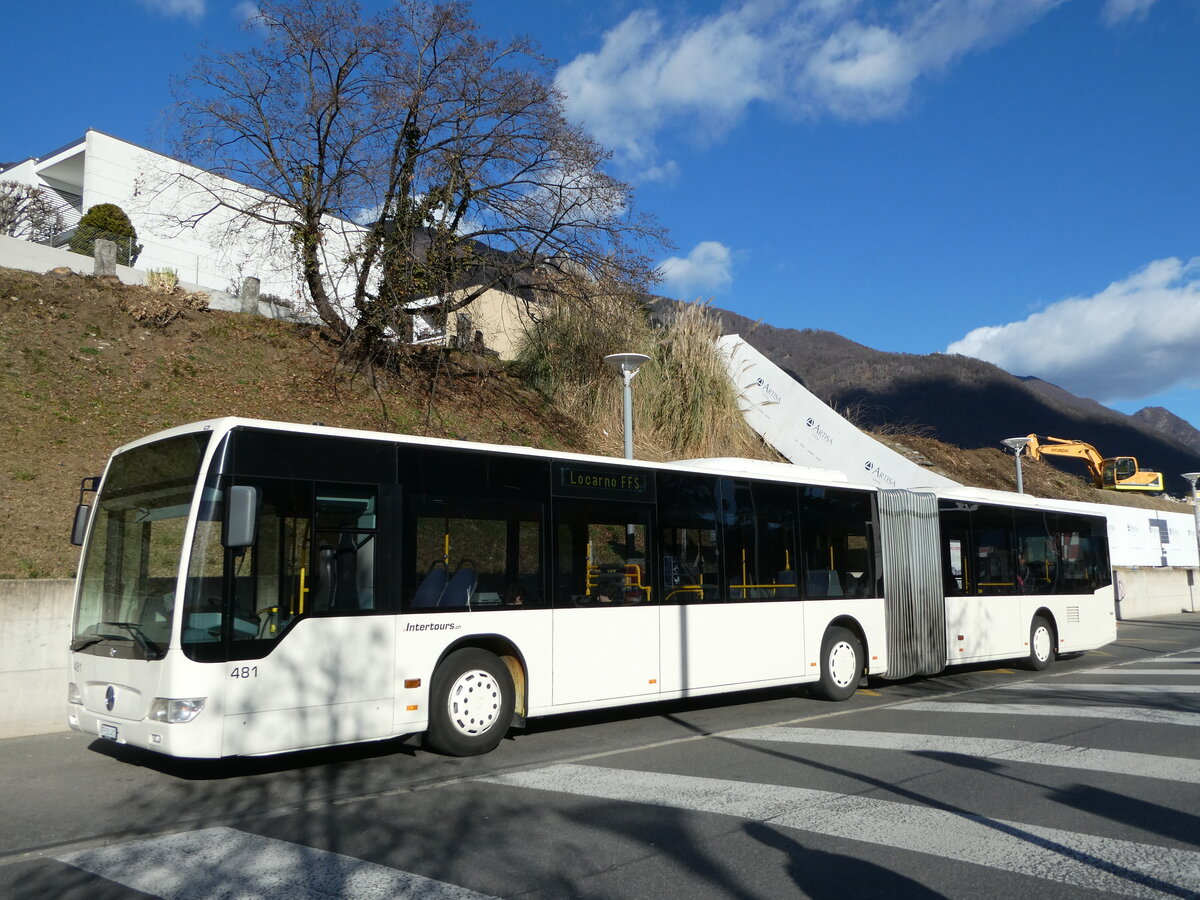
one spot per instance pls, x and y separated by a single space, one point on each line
591 572
633 580
303 590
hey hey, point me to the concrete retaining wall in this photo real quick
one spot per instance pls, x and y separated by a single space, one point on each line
29 257
1144 592
35 630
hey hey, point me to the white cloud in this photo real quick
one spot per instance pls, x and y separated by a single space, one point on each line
644 75
247 13
707 268
1115 12
1135 338
852 59
186 9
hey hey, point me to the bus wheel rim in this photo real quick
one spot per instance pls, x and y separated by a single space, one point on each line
474 702
1041 643
842 663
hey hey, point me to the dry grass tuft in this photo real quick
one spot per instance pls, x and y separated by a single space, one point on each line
684 402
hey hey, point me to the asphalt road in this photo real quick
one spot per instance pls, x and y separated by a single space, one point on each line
1081 781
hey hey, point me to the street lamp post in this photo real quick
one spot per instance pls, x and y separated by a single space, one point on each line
1016 445
627 364
1192 477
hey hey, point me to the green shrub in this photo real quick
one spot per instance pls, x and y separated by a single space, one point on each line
107 221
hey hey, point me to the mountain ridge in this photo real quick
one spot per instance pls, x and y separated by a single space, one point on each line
965 401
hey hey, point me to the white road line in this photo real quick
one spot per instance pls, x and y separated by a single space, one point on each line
1087 861
224 862
1116 762
1114 688
1161 660
1117 670
1122 713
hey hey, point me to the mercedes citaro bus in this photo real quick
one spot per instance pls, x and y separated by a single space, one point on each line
252 587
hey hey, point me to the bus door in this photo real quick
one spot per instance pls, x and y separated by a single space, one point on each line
307 661
605 608
746 625
981 578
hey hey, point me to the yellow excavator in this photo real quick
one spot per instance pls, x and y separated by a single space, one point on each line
1117 473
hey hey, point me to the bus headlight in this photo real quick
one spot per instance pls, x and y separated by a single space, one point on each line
73 695
165 709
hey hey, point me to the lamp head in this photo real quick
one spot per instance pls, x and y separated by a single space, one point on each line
626 363
1016 444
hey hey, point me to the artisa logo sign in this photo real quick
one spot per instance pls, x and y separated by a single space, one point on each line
818 432
879 475
771 393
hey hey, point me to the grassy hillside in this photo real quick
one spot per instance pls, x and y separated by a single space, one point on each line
80 375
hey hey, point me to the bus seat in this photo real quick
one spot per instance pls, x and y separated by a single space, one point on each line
461 586
822 583
345 587
432 586
787 584
364 580
325 571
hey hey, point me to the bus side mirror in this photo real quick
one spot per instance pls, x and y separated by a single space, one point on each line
79 528
83 511
241 516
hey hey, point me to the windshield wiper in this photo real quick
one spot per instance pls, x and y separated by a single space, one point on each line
147 646
85 642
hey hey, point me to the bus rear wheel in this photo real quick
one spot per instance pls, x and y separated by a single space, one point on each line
1041 644
471 702
841 665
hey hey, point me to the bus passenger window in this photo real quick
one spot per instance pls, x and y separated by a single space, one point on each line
343 574
1079 543
687 519
600 555
836 543
995 559
760 540
482 563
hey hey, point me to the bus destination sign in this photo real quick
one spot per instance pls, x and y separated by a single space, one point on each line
595 481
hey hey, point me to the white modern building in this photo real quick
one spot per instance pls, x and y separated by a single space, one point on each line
165 200
182 225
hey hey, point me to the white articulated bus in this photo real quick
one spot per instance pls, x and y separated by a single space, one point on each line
251 587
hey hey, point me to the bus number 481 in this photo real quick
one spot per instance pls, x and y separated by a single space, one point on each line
244 672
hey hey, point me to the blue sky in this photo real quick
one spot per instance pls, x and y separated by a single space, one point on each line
1012 179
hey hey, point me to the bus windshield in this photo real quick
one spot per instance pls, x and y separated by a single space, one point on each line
131 563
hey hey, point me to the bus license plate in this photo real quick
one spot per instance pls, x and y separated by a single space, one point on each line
108 732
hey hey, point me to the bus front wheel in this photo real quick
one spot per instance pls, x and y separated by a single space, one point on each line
471 702
1041 644
841 665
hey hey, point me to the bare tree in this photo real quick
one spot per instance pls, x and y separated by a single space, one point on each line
26 212
450 151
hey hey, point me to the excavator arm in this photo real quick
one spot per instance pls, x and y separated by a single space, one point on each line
1118 473
1052 446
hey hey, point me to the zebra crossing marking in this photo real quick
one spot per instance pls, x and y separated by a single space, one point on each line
1122 713
225 862
1087 861
1113 688
1122 672
1160 660
1114 762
